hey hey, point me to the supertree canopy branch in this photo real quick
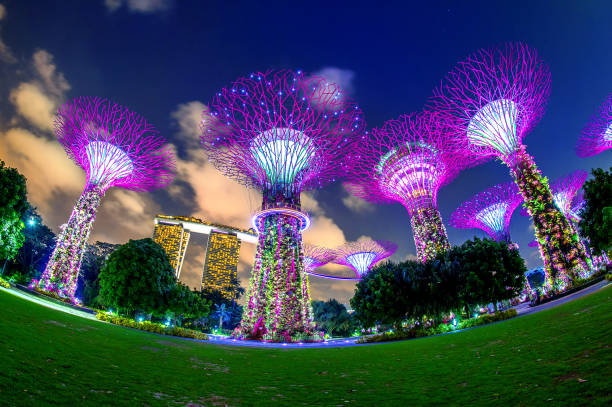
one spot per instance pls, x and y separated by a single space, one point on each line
282 133
597 134
490 101
115 147
490 210
577 205
407 160
363 254
317 256
565 191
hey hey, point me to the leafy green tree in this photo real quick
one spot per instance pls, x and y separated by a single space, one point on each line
39 242
380 295
95 256
333 317
596 223
491 271
137 277
13 205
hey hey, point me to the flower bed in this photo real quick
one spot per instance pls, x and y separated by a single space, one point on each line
4 283
151 326
419 332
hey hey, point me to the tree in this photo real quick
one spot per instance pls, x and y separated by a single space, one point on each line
95 257
13 205
39 242
138 277
596 222
222 313
333 317
380 297
491 271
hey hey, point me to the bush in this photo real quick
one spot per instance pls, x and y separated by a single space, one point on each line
418 332
609 276
151 326
4 283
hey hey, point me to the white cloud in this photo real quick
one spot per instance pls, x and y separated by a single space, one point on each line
53 81
139 6
341 77
2 12
356 204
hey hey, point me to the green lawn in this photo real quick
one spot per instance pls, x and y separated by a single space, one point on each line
562 356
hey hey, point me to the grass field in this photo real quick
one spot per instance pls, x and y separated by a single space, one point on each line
562 356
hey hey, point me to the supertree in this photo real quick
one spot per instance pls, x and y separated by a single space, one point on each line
363 254
492 100
577 205
597 134
490 210
317 256
407 160
282 133
115 147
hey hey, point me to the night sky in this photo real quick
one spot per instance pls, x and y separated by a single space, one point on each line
165 59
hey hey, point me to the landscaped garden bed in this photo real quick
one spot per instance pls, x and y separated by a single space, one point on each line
151 326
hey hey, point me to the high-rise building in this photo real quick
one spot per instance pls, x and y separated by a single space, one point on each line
173 238
221 264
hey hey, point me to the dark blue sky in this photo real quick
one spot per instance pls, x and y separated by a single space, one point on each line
151 62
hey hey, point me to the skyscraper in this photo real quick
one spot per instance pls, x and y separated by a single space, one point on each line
221 264
173 238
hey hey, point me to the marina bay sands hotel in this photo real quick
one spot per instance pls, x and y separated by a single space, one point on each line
172 233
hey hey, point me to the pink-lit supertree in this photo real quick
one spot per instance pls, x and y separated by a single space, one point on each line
115 148
282 133
492 100
490 210
363 254
407 160
597 134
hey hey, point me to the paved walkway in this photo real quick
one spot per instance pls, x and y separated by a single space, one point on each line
522 309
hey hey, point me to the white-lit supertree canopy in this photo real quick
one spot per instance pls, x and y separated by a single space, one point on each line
363 254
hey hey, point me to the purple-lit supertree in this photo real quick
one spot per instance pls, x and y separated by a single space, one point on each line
492 100
281 133
597 134
116 148
490 210
363 254
407 160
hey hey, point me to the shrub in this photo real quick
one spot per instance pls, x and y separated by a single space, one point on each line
417 332
4 283
151 326
609 276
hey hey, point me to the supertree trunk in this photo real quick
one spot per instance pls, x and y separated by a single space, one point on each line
307 313
564 257
276 306
62 271
430 236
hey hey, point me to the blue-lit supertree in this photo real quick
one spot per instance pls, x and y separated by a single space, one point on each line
490 210
363 254
281 133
